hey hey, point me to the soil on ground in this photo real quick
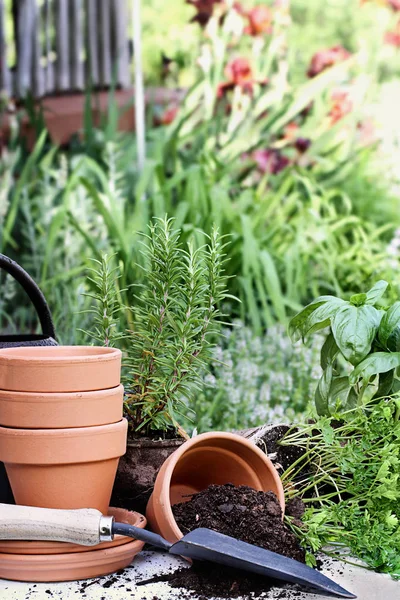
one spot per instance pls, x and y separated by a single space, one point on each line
243 513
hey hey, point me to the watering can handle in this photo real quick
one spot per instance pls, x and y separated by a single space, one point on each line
34 293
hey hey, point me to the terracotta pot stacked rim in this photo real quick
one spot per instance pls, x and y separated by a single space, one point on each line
61 426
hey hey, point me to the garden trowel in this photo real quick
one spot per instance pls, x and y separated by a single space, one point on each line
89 527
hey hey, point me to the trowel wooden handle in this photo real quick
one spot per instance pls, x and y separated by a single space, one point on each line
30 523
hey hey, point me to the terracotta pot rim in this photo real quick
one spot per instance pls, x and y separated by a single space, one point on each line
162 489
58 396
65 432
69 566
69 446
57 355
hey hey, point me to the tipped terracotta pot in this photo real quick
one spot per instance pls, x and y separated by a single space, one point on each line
63 468
209 458
35 410
59 368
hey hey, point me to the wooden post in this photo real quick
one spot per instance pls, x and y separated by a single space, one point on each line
140 124
38 81
104 42
5 77
91 45
24 40
48 24
120 42
76 45
62 45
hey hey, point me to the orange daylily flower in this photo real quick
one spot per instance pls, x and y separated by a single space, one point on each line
259 19
342 105
239 73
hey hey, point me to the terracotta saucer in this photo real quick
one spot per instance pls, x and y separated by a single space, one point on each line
67 567
36 548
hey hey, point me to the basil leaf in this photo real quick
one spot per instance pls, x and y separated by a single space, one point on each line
321 317
385 384
322 392
376 292
389 328
300 323
352 399
329 351
378 362
354 329
340 389
358 299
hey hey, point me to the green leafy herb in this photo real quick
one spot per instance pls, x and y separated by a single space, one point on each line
352 487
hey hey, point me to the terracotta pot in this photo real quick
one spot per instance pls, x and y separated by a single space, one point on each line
68 567
35 410
137 471
63 468
209 458
59 368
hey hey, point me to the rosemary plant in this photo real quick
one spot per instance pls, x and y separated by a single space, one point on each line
175 322
176 319
106 306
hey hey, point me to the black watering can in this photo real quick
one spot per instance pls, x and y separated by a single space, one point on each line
46 338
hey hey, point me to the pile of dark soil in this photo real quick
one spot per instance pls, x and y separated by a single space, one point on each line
243 513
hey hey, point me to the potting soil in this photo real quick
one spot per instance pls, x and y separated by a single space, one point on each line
243 513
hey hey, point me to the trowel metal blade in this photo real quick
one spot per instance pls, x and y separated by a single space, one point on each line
205 544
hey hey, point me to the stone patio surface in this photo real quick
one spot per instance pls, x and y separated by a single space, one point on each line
367 585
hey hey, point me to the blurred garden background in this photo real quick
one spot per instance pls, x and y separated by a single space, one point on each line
276 121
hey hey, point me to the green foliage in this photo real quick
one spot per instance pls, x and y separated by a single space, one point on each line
175 322
106 305
363 334
253 380
353 493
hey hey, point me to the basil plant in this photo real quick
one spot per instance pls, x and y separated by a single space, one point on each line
361 354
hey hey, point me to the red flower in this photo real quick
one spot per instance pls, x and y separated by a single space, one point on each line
270 161
260 20
341 105
302 144
327 58
290 131
394 5
393 37
239 73
205 9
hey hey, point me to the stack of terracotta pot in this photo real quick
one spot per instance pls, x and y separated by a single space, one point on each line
61 436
